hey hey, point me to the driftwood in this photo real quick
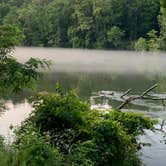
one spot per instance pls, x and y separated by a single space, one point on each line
143 96
162 125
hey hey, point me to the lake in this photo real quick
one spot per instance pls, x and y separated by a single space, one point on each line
91 73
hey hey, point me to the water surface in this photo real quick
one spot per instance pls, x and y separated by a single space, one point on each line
90 72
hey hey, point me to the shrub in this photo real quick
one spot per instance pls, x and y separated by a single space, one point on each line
83 137
141 44
33 149
133 123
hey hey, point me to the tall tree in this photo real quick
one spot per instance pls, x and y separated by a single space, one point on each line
81 32
34 21
59 13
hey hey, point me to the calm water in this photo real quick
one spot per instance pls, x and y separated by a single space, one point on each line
89 73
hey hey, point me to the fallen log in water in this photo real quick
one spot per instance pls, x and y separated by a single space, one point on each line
144 96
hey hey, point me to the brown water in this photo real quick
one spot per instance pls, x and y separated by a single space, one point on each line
90 72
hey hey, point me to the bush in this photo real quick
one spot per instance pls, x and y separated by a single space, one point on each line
114 145
133 123
33 149
152 43
141 44
29 149
83 137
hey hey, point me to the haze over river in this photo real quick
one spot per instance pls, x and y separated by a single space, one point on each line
91 72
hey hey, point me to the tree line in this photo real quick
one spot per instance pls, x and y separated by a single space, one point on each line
108 24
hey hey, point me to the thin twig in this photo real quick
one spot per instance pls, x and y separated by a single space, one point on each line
162 125
148 90
126 93
163 102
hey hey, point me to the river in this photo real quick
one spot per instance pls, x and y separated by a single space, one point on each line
92 72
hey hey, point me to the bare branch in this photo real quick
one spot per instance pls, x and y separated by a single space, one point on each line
126 93
162 125
152 98
123 104
163 102
148 90
143 96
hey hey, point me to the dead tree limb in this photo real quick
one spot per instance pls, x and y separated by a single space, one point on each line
143 96
126 93
148 90
162 125
163 102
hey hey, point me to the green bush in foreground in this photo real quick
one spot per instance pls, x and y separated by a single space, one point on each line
63 131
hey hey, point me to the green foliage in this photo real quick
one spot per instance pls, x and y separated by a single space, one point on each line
83 154
59 13
23 75
80 33
115 37
133 123
34 149
35 23
62 115
65 111
162 22
9 37
4 10
6 156
82 23
110 137
156 39
83 137
152 43
141 44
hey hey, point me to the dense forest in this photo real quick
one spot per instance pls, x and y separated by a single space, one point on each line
62 130
102 24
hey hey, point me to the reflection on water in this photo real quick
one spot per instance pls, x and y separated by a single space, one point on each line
111 97
155 154
92 73
14 115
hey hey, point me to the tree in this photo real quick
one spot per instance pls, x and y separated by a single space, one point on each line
15 76
59 13
81 23
151 43
81 32
162 21
141 44
4 9
34 21
10 36
115 36
154 41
